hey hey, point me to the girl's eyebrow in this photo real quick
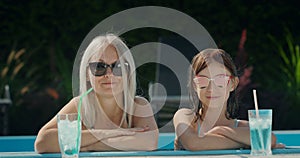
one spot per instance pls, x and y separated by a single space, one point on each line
223 74
213 76
201 75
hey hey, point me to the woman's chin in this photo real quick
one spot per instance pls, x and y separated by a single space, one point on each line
108 92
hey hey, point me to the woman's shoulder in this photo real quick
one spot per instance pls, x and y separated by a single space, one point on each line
71 106
74 101
142 107
141 100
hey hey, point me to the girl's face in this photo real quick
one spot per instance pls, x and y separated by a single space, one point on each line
106 82
213 85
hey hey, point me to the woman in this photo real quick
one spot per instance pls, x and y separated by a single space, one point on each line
212 84
113 118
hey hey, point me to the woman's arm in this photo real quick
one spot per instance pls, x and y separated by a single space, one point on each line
189 138
100 135
139 141
145 139
47 138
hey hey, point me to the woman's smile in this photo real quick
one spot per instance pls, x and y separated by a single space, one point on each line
108 84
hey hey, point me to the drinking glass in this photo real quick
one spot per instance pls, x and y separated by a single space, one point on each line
260 132
69 134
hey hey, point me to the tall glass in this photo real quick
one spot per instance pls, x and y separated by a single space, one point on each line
69 135
260 132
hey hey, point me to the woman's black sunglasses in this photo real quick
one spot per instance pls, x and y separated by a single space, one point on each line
100 68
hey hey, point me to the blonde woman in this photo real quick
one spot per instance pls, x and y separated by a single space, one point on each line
113 118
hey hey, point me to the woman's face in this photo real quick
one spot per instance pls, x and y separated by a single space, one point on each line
107 84
213 85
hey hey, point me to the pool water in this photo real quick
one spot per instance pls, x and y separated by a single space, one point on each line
23 146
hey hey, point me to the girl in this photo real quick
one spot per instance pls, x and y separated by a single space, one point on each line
212 85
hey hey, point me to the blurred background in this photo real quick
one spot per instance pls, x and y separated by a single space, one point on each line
39 41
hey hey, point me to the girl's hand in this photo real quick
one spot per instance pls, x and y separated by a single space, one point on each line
217 130
279 146
223 130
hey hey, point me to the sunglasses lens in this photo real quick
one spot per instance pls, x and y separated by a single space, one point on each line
97 68
117 71
221 80
201 81
100 68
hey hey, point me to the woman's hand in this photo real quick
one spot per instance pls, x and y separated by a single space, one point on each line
121 139
101 134
138 129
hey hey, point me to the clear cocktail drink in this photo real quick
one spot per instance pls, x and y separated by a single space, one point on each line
69 134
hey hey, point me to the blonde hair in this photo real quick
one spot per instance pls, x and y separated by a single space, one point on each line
90 103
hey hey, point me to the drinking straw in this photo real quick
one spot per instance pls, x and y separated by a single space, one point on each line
255 103
79 112
257 116
80 102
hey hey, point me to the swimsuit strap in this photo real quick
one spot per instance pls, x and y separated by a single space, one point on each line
198 122
236 123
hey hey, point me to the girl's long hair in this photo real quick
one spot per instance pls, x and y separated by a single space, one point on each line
200 62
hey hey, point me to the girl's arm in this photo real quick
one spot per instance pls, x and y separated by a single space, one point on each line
190 140
240 134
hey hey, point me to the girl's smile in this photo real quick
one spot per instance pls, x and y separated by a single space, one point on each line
212 97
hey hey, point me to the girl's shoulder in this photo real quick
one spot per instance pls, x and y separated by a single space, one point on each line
184 115
185 112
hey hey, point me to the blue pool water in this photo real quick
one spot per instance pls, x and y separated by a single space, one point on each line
23 146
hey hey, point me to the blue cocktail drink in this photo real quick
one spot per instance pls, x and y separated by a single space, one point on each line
260 132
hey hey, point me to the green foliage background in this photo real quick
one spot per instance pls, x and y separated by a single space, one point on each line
50 33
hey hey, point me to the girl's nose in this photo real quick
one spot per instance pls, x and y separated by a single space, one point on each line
209 86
